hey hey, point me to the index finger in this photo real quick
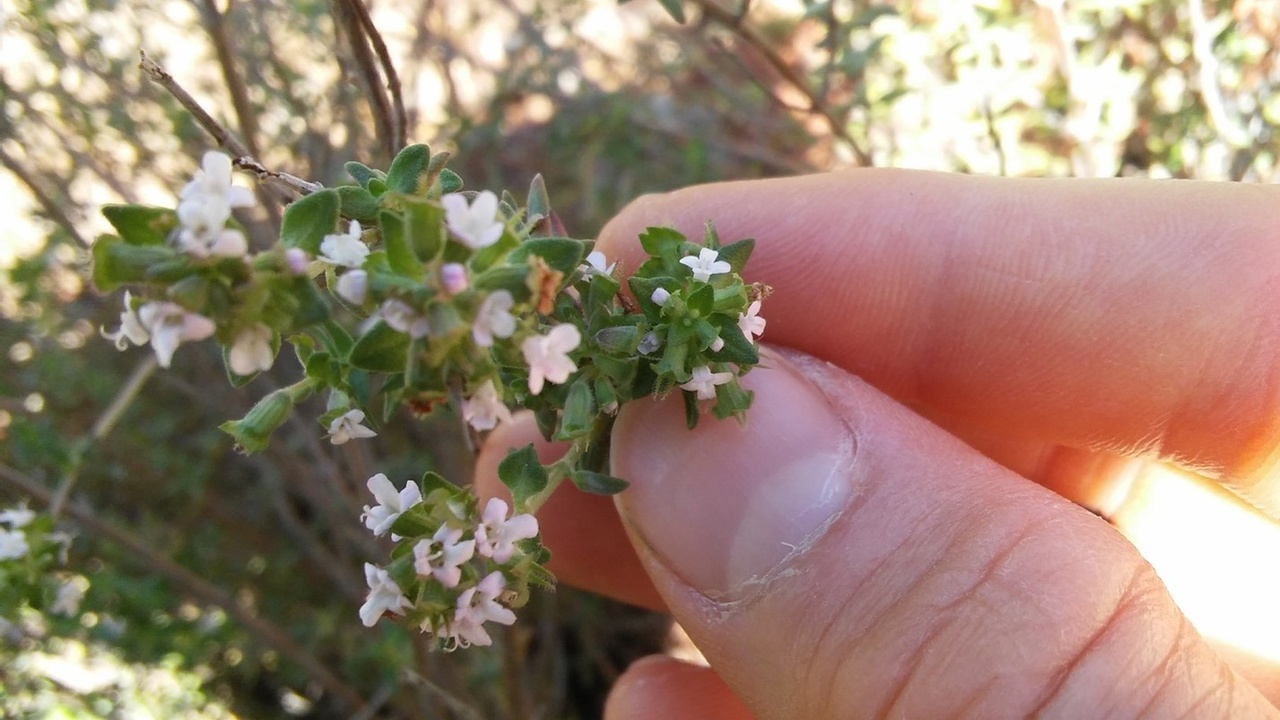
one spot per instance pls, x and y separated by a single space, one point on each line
1140 317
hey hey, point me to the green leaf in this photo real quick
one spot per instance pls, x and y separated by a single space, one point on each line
450 182
675 353
362 173
538 206
378 186
737 348
523 475
643 287
663 243
400 256
305 304
117 263
737 254
579 412
424 226
358 204
732 399
562 254
674 9
409 165
308 220
598 483
512 278
618 340
141 224
252 431
381 349
702 299
434 481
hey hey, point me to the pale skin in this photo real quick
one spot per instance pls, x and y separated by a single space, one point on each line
1009 336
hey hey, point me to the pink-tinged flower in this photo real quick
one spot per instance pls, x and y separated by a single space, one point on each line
399 316
440 556
595 265
548 356
704 382
750 322
496 535
353 286
251 352
384 596
453 278
347 427
391 503
131 329
485 409
204 207
475 225
345 249
494 319
297 261
706 264
476 606
660 296
170 325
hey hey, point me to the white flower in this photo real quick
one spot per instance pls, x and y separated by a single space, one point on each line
716 345
17 517
595 265
706 264
251 352
649 343
496 535
476 606
494 318
660 296
131 329
347 250
750 322
399 316
704 382
13 544
353 286
391 503
476 225
384 595
347 427
204 207
170 325
442 554
484 409
548 355
67 600
453 278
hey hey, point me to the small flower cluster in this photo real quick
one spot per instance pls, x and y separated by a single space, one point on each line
460 569
29 551
406 290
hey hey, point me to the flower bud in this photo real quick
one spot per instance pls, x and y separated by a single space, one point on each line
353 286
453 278
296 260
660 296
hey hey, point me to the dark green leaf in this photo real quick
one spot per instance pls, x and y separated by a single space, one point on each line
362 173
252 431
562 254
523 475
434 481
140 224
308 220
579 412
358 204
737 253
618 340
450 182
663 243
395 242
408 167
424 226
117 263
381 349
674 9
598 483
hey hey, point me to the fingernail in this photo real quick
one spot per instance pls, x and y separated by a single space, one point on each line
728 506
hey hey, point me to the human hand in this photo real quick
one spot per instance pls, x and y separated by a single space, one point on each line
845 554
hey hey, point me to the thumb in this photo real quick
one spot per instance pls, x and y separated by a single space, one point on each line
838 556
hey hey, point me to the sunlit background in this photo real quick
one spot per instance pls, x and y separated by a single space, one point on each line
608 101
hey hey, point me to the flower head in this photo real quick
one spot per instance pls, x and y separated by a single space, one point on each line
453 278
353 286
548 355
440 556
704 382
496 535
706 264
475 225
204 207
595 265
399 316
484 409
130 330
13 544
649 343
297 261
750 322
476 606
169 325
391 503
494 318
347 250
213 179
660 296
251 352
384 596
347 427
17 517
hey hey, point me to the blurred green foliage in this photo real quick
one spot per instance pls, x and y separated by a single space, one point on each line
607 101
